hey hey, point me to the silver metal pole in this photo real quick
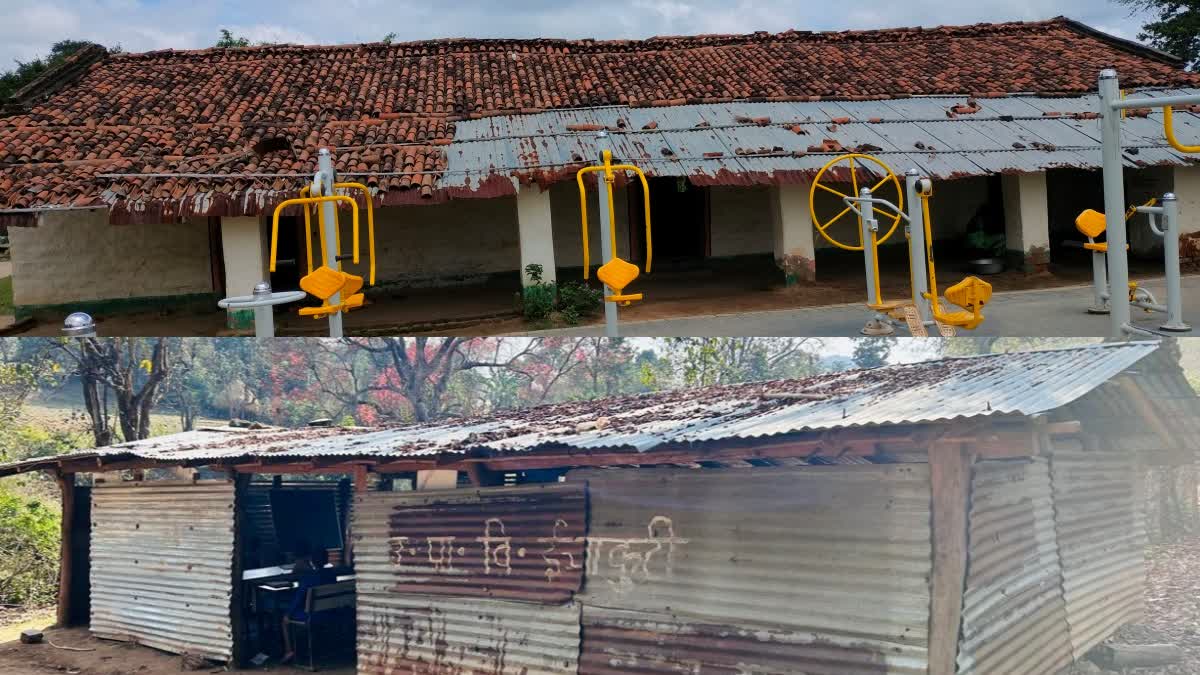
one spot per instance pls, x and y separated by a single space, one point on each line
1114 203
869 226
1170 213
264 316
1143 102
1099 284
329 212
918 273
606 224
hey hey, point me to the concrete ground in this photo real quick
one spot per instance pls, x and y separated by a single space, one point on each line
1054 312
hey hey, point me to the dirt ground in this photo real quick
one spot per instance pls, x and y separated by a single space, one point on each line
104 657
491 310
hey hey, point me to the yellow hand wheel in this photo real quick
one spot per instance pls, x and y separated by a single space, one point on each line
856 162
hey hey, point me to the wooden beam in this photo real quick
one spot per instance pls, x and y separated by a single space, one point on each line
238 602
1146 410
66 562
360 478
481 476
950 487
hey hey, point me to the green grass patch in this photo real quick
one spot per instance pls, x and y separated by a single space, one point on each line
6 296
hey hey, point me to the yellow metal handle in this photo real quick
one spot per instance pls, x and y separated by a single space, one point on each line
646 194
587 262
1169 129
308 232
370 226
933 289
1133 209
608 168
306 201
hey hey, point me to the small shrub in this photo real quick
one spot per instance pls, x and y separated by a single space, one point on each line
538 301
577 300
29 536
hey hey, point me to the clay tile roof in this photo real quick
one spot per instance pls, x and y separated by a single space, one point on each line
246 115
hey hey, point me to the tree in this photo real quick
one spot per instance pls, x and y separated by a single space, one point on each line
972 346
133 370
1176 29
871 352
22 371
705 361
417 372
389 38
228 41
28 71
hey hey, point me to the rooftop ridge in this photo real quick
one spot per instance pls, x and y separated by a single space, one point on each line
625 45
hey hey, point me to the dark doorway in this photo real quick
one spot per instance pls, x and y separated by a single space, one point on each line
292 260
81 544
679 220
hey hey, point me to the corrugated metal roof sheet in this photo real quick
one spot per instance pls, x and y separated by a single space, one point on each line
909 133
1015 384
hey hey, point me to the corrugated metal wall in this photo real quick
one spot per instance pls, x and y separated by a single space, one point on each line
825 569
1101 540
161 565
1014 616
425 561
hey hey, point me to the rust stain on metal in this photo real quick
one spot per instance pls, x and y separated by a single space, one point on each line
520 546
624 642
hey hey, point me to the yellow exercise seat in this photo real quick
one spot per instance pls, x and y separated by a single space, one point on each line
326 282
617 274
1091 224
971 294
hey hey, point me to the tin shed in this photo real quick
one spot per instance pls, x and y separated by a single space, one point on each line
973 515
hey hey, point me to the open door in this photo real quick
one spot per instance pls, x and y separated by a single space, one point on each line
292 263
679 214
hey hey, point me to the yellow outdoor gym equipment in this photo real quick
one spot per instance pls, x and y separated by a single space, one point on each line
830 172
615 273
926 305
328 280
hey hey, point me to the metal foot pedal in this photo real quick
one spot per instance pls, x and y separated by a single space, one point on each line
916 326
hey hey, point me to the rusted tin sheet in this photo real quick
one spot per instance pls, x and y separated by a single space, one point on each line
520 543
416 634
1014 616
837 558
616 641
161 566
1101 539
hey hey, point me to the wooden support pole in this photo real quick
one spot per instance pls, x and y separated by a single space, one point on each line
239 604
950 487
481 476
66 486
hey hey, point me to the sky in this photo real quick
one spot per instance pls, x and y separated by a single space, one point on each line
30 26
